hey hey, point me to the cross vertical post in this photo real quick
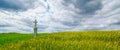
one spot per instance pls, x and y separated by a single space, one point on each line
35 28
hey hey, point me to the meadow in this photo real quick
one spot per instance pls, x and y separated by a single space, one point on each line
88 40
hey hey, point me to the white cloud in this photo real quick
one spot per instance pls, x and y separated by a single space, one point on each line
63 18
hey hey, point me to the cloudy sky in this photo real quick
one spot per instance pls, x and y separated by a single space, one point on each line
59 15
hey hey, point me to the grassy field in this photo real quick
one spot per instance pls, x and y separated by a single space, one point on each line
13 37
89 40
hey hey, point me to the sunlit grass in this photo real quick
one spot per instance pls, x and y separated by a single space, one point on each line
89 40
13 37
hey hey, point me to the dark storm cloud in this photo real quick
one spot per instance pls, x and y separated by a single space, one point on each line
70 23
1 25
85 6
16 4
85 9
115 23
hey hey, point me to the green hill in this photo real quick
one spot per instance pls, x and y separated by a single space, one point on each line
89 40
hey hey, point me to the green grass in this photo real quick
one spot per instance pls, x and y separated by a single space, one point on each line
13 37
89 40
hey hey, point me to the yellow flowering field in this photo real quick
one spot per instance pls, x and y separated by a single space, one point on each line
89 40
